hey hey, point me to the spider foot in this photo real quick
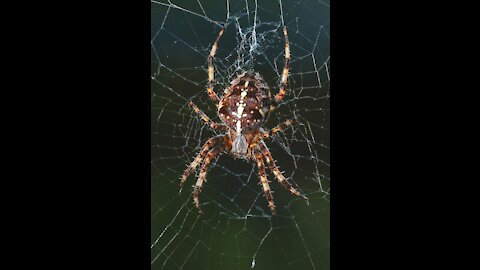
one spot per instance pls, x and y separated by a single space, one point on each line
272 208
197 205
306 199
196 191
296 192
183 180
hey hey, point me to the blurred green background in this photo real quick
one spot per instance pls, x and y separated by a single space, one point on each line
237 230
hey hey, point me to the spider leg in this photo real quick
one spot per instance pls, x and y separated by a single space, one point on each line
278 174
211 70
206 119
203 173
283 83
263 180
198 159
269 134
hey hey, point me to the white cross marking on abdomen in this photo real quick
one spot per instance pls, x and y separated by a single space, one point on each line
240 108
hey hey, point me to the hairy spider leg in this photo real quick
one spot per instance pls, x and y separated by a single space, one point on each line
212 142
283 83
263 179
203 173
211 70
269 134
278 174
206 119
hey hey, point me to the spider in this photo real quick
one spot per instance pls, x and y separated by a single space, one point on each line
243 109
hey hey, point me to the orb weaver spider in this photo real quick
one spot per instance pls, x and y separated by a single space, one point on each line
243 109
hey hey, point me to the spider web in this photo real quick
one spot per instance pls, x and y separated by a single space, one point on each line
237 230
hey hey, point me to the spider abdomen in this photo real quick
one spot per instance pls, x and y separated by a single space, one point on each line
244 106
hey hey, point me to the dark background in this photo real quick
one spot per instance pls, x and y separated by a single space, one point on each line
237 227
77 186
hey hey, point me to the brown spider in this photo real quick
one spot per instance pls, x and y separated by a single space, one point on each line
244 108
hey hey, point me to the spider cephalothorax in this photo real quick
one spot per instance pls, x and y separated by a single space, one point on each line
244 108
